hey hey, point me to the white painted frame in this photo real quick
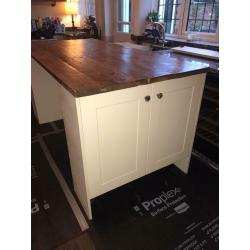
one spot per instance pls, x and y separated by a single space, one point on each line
119 35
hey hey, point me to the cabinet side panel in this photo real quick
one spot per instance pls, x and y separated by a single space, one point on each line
73 128
195 109
183 164
45 93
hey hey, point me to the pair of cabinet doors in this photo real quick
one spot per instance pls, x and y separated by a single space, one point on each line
132 132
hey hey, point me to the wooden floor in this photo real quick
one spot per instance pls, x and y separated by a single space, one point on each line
83 242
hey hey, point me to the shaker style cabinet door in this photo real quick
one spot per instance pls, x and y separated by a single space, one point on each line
173 117
115 134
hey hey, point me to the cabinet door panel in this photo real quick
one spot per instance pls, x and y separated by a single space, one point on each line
169 124
116 142
173 120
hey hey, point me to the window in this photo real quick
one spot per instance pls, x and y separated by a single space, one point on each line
124 16
190 16
170 14
91 7
203 16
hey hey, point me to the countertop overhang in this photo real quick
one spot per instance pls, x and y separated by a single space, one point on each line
89 66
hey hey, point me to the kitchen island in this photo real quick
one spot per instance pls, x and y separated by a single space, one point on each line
126 112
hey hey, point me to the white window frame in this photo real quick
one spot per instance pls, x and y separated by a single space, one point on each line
182 33
123 22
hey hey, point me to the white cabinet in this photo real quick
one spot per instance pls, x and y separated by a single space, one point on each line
115 128
119 136
173 116
45 94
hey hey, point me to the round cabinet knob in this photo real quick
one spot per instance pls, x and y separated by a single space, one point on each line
147 98
160 95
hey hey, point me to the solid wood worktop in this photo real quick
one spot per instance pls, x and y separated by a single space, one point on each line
89 66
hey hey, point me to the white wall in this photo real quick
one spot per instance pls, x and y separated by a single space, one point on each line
141 9
109 19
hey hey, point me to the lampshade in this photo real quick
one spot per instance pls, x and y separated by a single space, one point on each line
71 7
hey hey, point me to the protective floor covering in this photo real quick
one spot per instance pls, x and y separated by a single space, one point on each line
164 210
52 219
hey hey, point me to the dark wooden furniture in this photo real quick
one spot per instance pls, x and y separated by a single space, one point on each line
77 33
207 134
72 35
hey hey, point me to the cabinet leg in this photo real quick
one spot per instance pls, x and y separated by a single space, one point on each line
183 164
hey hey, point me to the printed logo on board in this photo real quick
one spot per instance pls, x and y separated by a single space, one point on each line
35 206
162 202
161 199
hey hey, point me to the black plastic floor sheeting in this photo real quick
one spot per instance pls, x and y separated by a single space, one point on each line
164 210
57 146
52 220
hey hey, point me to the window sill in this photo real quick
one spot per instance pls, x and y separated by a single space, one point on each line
194 41
176 41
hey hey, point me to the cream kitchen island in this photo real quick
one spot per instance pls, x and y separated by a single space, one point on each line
126 112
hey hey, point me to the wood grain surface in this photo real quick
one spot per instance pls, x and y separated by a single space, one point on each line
83 242
89 66
206 53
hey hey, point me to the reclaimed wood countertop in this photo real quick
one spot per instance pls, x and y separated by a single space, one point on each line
87 67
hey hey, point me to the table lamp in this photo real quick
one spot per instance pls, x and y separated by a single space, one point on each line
71 9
